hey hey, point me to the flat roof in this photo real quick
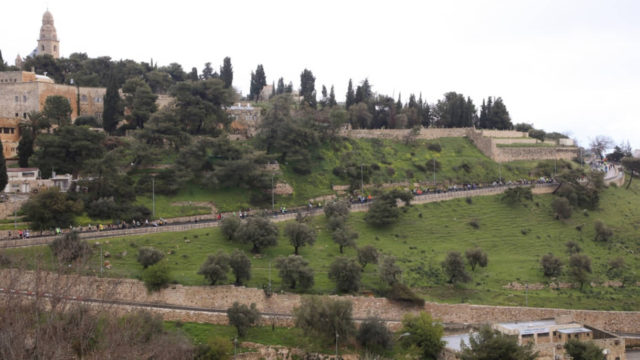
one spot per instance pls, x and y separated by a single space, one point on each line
453 342
574 330
526 325
21 169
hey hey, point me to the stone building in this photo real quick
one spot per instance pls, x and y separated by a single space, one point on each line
548 338
22 92
48 42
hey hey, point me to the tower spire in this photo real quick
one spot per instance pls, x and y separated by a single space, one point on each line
48 42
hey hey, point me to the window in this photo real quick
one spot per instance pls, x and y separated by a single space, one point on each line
84 98
24 115
98 99
24 98
55 48
17 98
42 47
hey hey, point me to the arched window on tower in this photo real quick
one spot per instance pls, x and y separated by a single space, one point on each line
55 48
42 47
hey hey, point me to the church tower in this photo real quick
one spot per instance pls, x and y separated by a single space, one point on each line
48 42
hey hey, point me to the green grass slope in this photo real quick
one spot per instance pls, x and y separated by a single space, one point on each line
421 240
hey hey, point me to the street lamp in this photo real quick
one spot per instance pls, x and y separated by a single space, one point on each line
337 336
361 179
273 200
434 172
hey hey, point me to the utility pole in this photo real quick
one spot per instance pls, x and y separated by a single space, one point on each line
361 179
526 294
101 261
337 336
273 200
153 196
434 172
500 172
235 345
269 277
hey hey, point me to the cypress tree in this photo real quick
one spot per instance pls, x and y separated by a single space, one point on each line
2 64
4 179
351 96
226 72
332 98
280 88
25 146
258 81
112 112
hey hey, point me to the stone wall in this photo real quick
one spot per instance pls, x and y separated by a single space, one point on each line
504 154
399 134
280 306
504 133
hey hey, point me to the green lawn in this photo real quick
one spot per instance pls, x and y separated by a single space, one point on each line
421 239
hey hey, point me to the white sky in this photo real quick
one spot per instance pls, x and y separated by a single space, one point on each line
565 65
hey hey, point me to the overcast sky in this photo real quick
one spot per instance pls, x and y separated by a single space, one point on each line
567 66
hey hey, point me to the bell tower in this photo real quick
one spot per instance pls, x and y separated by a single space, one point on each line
48 42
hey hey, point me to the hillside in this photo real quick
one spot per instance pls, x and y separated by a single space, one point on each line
421 239
345 162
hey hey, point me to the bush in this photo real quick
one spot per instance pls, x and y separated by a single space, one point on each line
617 268
229 226
85 120
516 195
374 336
216 348
402 293
431 164
242 317
434 147
337 207
215 268
4 260
474 224
583 350
603 233
69 247
346 274
551 265
423 333
580 268
324 317
562 207
148 256
156 277
572 247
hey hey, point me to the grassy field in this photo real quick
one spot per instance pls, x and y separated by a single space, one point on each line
421 240
385 161
266 335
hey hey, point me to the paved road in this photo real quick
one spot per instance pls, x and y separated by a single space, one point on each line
180 227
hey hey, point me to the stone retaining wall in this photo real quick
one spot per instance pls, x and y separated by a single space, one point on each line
223 297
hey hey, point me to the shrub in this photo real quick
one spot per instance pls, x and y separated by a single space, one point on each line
551 265
583 350
4 260
156 277
617 268
242 317
69 247
346 274
476 257
474 224
87 120
572 247
468 200
434 147
562 207
374 336
148 256
337 207
216 348
516 195
325 317
215 268
402 293
423 333
433 163
603 232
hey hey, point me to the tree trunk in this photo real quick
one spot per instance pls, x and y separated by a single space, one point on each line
340 249
295 250
630 178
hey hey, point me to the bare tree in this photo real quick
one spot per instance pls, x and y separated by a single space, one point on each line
600 144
